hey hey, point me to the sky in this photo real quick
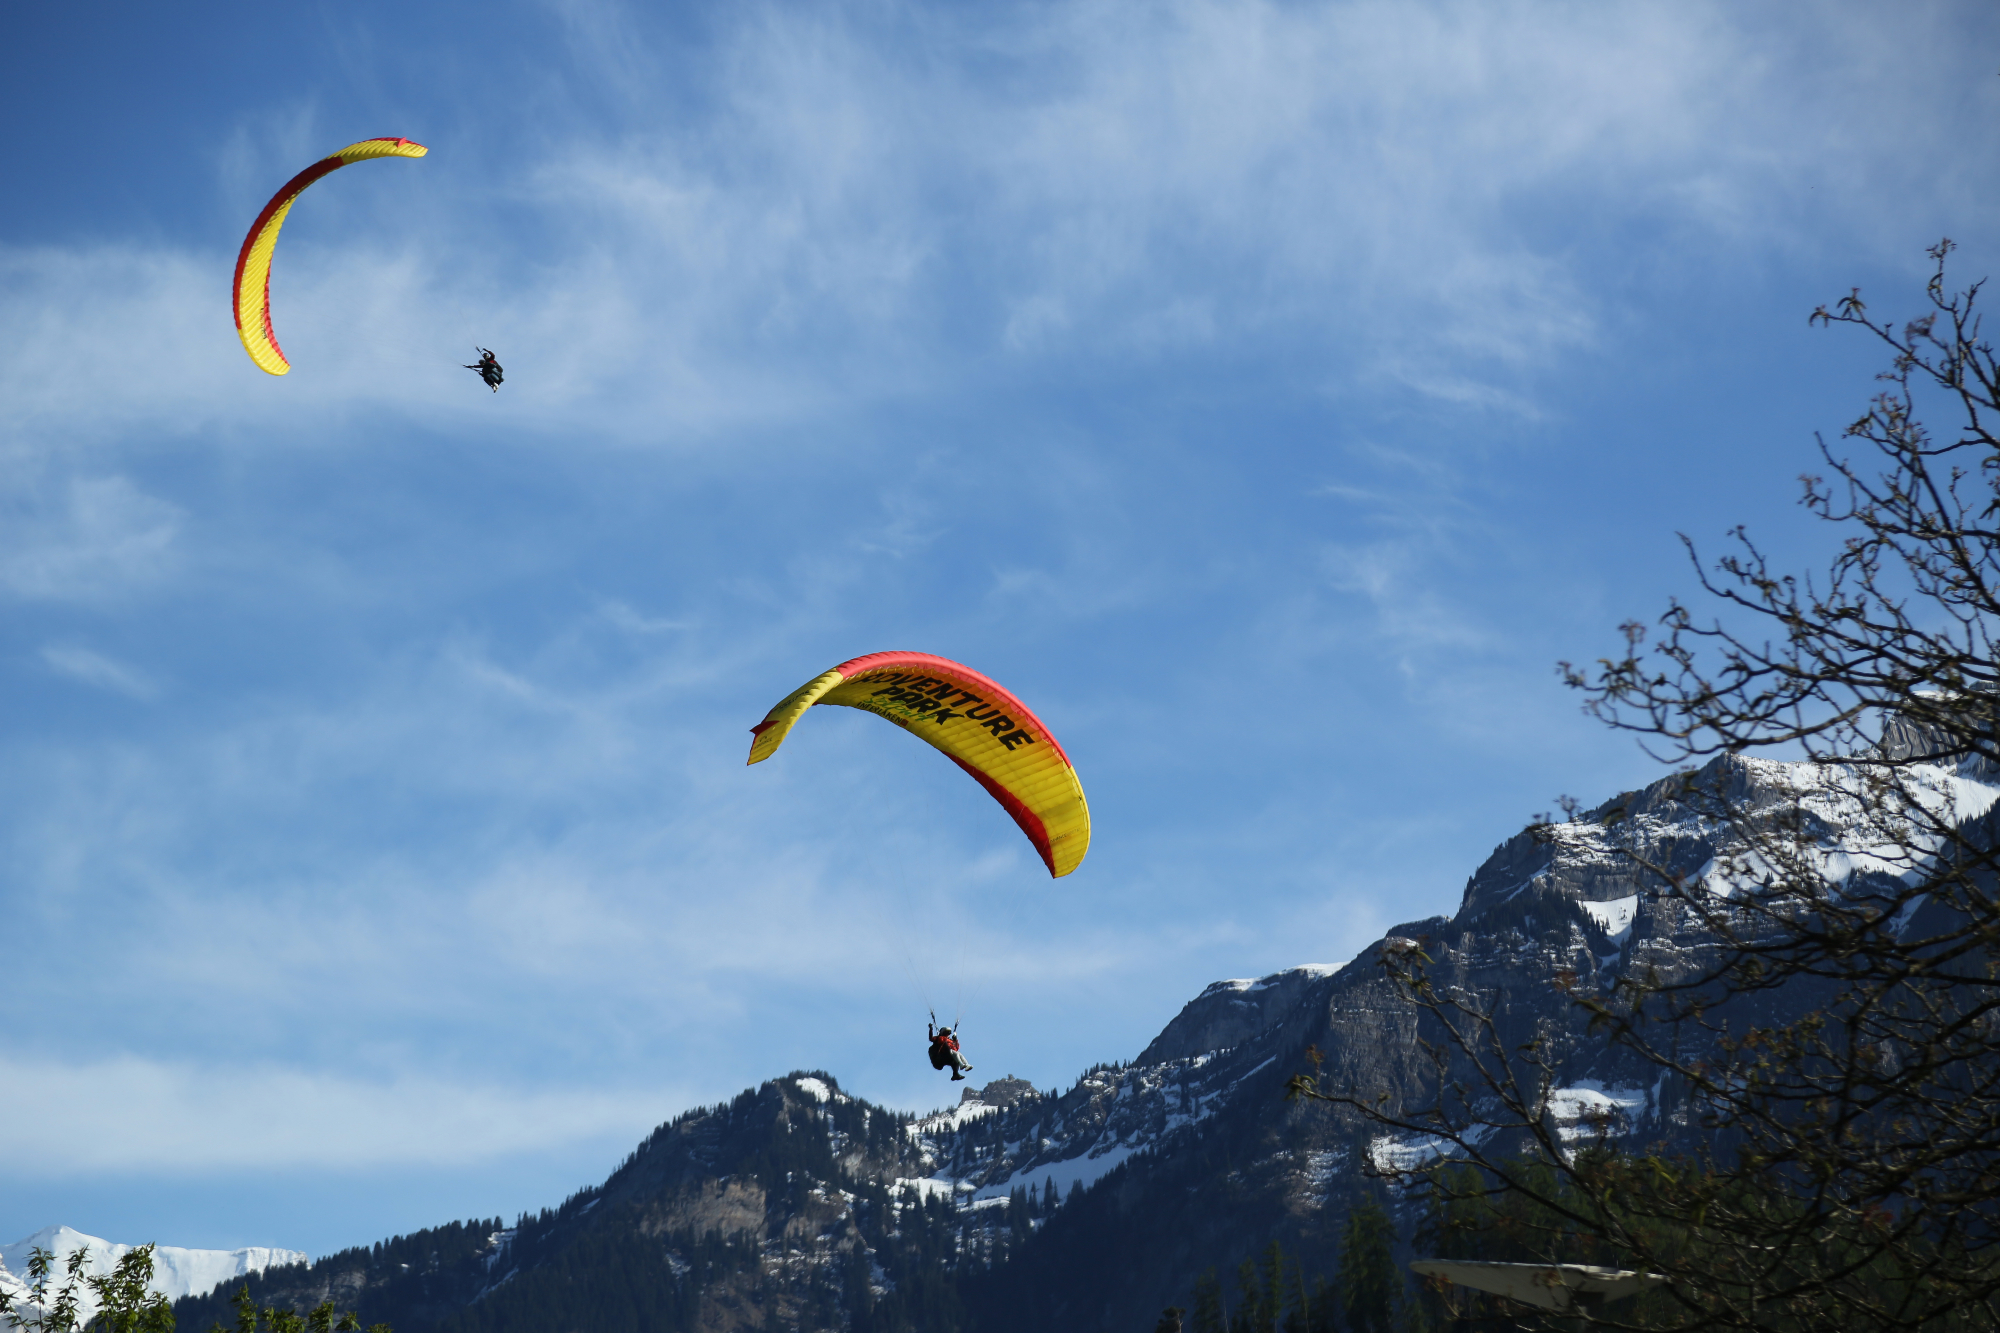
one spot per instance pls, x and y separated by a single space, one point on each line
1268 393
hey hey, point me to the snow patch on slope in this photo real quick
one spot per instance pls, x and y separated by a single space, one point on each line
1588 1107
956 1118
1615 916
926 1187
1405 1152
1086 1171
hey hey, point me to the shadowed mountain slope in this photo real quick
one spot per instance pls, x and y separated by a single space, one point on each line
796 1206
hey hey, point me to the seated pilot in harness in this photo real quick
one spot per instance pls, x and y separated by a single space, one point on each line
489 370
944 1051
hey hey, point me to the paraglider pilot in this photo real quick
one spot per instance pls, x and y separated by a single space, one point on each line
489 370
944 1050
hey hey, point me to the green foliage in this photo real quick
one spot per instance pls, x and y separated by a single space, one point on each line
1371 1286
320 1319
1209 1315
1275 1295
124 1305
1675 1216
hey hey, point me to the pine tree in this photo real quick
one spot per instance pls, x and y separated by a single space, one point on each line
1249 1301
1209 1316
1271 1304
1318 1312
1369 1282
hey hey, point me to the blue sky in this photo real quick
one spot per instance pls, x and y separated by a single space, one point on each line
1269 393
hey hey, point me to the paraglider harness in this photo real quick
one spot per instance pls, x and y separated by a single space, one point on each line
489 369
944 1050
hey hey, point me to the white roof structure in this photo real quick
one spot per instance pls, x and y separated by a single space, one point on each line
1550 1286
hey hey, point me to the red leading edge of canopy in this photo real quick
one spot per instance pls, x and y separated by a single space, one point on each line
995 693
1030 822
290 191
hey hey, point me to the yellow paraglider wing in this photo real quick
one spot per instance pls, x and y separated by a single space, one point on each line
981 727
252 294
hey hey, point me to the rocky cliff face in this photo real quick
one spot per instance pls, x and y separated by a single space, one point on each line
796 1206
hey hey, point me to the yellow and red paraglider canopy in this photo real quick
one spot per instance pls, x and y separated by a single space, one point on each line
252 294
980 726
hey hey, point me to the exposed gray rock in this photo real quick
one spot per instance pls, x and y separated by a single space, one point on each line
1000 1092
1230 1013
1188 1158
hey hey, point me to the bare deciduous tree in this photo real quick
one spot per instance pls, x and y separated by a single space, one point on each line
1834 1042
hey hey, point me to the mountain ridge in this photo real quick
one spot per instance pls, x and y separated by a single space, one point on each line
177 1272
796 1205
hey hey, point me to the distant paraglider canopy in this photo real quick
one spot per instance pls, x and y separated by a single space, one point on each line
252 295
981 727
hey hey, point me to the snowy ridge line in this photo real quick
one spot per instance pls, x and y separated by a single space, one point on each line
177 1272
812 1181
1250 985
1007 1137
1597 859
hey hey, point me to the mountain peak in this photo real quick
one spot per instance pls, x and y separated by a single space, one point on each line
1229 1013
797 1204
177 1272
1000 1092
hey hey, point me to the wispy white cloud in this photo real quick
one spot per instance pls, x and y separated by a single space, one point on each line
856 326
93 668
627 618
99 536
164 1118
878 203
595 835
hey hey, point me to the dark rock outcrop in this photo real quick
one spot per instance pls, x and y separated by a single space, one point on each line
798 1206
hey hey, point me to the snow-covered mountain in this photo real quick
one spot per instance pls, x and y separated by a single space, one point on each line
176 1272
798 1205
